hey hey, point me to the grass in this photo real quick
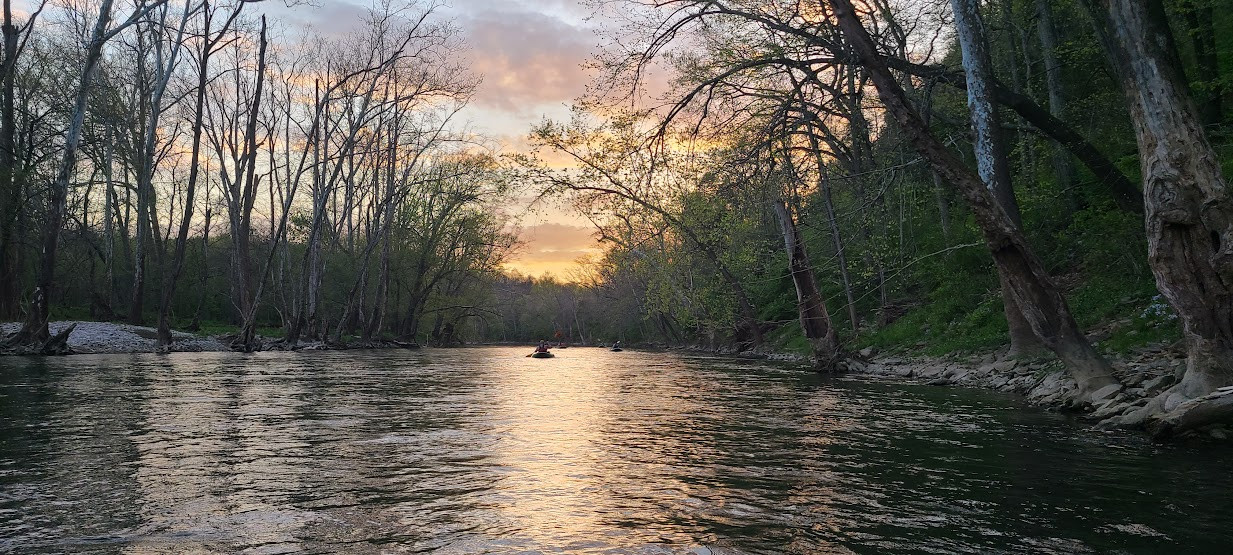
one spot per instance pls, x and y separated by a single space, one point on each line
788 338
1126 309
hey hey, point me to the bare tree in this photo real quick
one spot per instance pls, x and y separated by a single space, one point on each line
210 41
34 332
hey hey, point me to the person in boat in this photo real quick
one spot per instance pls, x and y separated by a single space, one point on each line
616 345
542 347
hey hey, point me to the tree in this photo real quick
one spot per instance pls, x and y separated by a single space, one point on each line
1189 208
34 332
991 160
12 186
1042 304
209 45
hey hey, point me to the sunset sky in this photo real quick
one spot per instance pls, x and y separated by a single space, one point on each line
530 55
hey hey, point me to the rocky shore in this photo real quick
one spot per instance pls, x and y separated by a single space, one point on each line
1044 382
1144 376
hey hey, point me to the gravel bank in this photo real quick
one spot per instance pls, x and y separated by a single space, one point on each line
109 337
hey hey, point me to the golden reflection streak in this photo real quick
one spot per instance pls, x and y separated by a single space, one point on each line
576 469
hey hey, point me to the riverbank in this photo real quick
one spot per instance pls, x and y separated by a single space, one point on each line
115 338
1043 381
112 338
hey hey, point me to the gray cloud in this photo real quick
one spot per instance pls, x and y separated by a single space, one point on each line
527 58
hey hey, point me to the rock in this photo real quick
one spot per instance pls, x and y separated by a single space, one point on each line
939 381
1051 385
867 352
1110 408
1105 392
1218 433
1132 419
1004 366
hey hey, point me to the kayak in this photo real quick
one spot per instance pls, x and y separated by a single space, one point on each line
616 349
542 355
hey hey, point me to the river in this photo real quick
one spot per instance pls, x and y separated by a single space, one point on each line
481 450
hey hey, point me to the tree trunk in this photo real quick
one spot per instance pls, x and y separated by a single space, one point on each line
373 328
824 183
942 197
1040 300
990 145
137 293
1189 209
10 186
815 321
246 339
1063 169
172 277
1125 194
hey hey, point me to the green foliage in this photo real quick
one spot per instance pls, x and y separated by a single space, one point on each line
789 339
962 315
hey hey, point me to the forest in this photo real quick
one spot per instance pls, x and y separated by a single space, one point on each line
178 166
934 176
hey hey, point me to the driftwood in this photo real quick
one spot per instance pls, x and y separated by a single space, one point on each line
58 343
1213 408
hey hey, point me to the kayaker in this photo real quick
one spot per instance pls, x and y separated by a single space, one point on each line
543 346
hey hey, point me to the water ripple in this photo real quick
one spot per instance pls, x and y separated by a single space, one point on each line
486 451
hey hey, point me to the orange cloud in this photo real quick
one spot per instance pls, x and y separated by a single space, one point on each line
554 249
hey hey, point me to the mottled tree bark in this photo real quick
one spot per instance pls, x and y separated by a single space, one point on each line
1189 208
990 148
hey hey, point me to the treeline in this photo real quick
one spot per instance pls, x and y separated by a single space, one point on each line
970 173
189 163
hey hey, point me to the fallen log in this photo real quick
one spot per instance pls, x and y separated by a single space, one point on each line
1213 408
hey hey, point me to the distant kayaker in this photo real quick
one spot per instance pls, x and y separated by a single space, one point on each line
616 345
543 346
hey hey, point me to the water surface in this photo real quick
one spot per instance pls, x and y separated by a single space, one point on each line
486 451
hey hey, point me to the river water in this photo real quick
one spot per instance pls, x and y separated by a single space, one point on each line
485 451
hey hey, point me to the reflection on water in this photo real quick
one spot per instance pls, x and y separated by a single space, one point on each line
486 451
